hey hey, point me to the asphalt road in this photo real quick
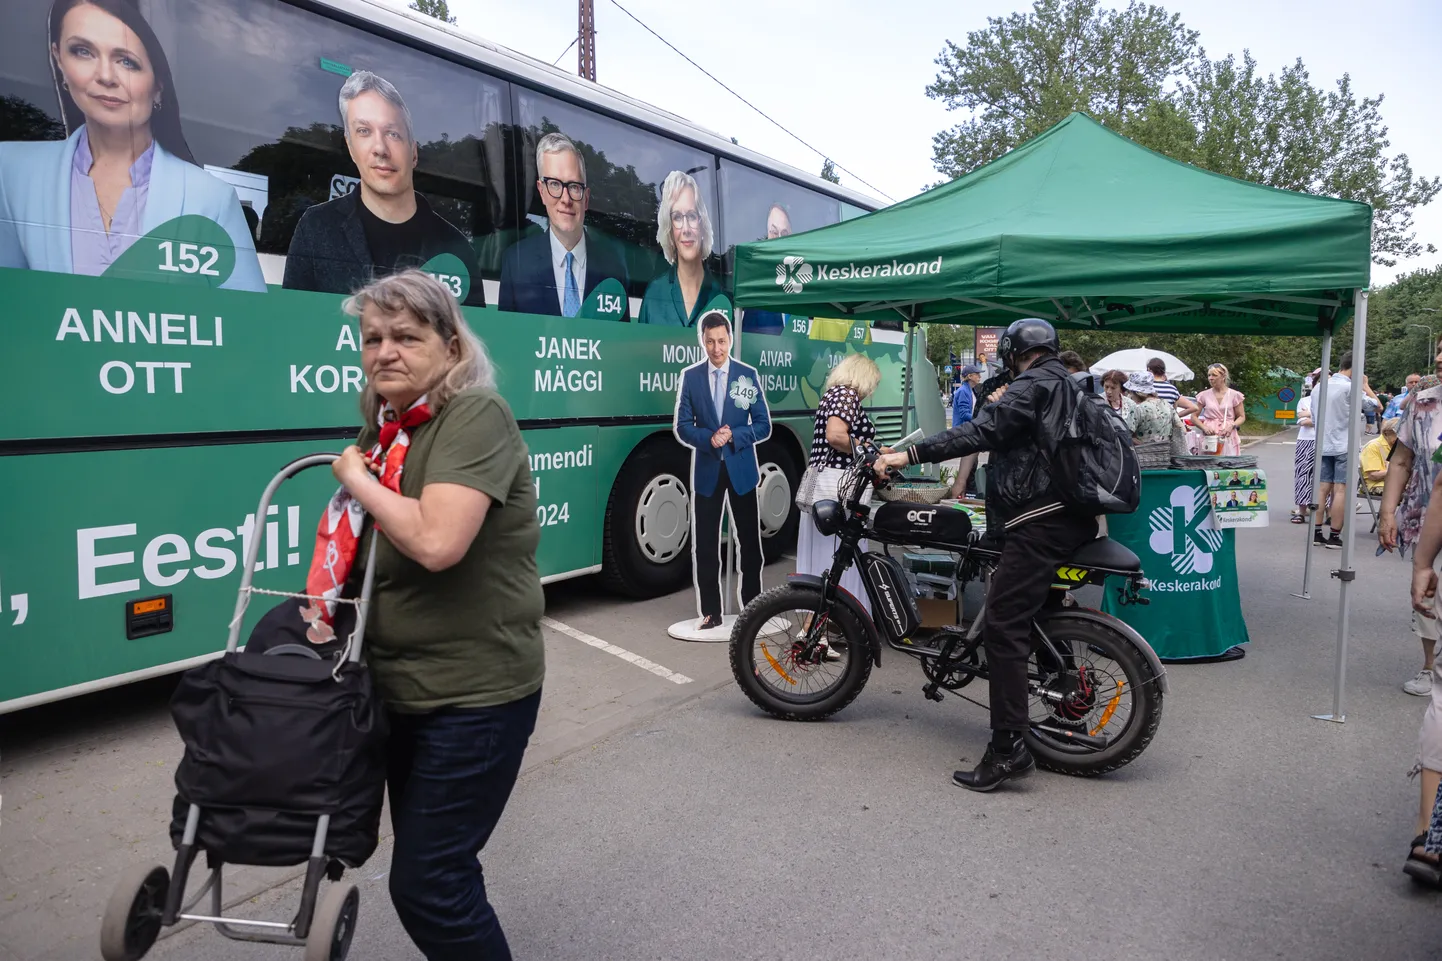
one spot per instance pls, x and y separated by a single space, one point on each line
667 820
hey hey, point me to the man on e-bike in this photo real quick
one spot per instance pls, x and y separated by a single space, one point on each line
1021 429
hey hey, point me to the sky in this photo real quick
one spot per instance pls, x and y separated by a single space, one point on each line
849 76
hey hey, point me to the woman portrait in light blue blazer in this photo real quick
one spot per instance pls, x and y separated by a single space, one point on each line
74 206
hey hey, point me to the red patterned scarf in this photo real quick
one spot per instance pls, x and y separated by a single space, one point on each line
337 537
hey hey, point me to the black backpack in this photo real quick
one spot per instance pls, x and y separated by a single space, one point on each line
1094 468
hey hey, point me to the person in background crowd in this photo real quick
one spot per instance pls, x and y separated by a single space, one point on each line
1166 390
1114 387
1073 362
553 272
1303 460
454 632
1422 862
384 226
840 421
1412 472
1153 419
1333 489
1221 410
963 405
1375 455
1399 401
679 295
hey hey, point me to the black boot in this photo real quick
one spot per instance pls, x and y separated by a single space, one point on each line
996 767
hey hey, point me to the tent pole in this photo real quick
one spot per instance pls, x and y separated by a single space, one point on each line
1319 417
1345 573
907 379
733 549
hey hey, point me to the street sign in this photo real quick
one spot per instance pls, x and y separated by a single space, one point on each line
1286 395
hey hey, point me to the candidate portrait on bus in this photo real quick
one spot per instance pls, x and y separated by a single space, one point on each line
778 224
124 169
554 271
384 226
679 295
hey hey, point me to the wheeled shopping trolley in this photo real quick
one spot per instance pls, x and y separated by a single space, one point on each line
284 765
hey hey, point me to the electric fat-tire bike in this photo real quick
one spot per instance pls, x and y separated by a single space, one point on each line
803 651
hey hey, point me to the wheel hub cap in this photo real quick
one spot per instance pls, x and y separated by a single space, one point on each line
663 518
774 499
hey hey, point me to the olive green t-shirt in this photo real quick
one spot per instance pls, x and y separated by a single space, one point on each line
470 635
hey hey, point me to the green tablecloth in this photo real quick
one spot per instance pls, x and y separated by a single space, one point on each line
1195 609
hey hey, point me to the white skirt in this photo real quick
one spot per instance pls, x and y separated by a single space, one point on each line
814 552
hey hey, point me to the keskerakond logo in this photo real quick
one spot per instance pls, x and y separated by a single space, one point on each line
1177 530
794 273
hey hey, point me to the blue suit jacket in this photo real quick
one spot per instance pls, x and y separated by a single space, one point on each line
35 207
528 281
696 421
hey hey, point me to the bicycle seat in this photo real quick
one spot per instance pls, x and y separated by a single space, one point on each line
1106 553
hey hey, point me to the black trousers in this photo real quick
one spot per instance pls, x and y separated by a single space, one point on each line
706 528
1030 555
450 775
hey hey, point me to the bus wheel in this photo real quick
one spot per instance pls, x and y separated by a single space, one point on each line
776 499
647 550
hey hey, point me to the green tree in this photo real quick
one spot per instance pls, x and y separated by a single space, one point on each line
828 171
1028 71
1142 72
434 8
1403 319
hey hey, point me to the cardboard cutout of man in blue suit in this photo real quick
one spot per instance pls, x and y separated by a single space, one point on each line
721 415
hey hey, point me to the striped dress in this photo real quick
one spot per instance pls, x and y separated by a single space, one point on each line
1303 491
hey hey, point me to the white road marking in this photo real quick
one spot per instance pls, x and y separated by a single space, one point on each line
620 652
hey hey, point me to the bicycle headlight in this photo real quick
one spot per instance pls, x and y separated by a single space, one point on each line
829 517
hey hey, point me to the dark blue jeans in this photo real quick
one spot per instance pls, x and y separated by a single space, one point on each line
450 774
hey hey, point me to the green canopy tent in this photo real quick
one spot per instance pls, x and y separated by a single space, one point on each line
1087 229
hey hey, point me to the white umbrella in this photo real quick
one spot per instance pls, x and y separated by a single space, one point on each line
1134 360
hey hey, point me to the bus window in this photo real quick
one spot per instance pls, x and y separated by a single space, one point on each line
758 206
593 189
415 179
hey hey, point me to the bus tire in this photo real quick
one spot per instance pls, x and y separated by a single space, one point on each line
646 550
780 477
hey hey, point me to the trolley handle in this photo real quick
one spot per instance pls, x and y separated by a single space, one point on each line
252 555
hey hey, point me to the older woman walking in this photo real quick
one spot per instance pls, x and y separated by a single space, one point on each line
453 638
840 422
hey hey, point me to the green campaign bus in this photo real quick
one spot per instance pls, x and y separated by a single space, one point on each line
188 191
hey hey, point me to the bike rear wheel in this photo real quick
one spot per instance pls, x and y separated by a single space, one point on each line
1104 688
769 665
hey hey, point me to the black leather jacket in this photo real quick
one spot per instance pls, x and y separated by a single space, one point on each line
1027 420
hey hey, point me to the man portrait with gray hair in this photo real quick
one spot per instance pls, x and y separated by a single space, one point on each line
553 272
383 226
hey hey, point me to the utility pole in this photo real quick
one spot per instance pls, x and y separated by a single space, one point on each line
587 41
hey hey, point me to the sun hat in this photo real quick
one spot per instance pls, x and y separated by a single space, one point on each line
1140 382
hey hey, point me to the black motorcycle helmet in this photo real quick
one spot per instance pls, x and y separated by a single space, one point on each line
1024 336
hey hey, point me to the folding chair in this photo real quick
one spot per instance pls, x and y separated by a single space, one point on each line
1371 504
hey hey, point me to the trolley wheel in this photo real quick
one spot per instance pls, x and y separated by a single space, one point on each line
132 915
333 926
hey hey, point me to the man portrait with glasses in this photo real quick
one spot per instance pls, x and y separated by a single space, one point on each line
383 226
553 272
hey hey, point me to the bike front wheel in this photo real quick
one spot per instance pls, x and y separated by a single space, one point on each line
770 664
1104 687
